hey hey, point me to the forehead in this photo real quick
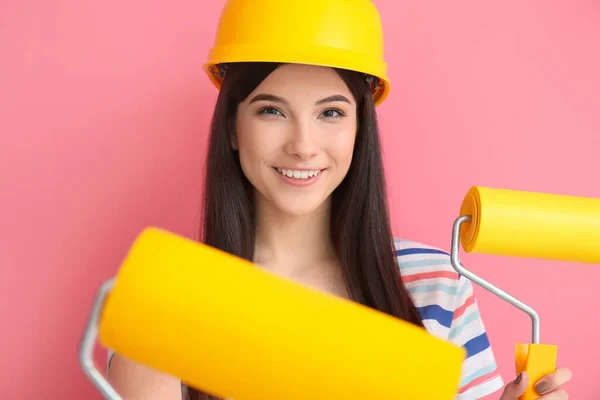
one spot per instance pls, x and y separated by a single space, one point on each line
298 82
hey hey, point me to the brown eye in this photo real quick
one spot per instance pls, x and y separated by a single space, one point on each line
332 113
269 111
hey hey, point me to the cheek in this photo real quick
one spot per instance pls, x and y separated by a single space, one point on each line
256 143
342 148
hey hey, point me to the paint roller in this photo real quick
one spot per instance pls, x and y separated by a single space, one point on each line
226 327
524 224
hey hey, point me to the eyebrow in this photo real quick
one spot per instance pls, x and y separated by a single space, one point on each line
331 99
277 99
268 97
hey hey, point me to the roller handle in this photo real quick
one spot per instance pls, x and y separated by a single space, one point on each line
88 342
537 360
534 358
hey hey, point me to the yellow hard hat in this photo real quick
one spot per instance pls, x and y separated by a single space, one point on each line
344 34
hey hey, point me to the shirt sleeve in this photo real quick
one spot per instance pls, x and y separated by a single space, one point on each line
480 376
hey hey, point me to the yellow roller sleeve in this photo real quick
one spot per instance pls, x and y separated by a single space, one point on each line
532 225
225 326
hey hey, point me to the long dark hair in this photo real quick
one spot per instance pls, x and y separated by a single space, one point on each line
360 227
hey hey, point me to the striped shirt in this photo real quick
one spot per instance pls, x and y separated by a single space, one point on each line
449 310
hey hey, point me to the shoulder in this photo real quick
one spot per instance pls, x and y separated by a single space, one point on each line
434 285
448 307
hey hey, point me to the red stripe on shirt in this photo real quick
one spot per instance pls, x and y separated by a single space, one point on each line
461 310
479 381
430 275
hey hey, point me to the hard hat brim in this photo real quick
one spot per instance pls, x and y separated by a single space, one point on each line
315 55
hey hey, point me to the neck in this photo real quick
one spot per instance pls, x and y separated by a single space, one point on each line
285 242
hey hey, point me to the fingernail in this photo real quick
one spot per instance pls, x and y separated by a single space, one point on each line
519 378
541 387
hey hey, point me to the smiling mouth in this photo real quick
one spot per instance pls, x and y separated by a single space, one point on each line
298 174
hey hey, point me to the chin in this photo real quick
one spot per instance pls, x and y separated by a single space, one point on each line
297 209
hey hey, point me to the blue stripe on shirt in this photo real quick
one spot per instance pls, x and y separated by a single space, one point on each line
451 290
424 263
477 345
456 330
478 374
436 313
409 251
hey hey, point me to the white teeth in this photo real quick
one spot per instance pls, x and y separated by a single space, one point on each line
296 174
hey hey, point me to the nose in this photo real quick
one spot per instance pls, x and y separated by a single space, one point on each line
302 142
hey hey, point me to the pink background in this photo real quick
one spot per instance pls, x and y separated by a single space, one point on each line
103 119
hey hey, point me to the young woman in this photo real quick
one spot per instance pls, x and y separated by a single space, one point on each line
295 183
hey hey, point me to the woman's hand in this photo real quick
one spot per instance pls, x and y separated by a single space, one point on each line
549 387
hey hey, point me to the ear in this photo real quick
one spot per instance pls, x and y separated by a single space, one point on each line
234 141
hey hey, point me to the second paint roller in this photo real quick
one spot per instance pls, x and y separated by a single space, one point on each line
530 225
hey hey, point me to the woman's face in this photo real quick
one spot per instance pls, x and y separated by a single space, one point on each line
295 136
